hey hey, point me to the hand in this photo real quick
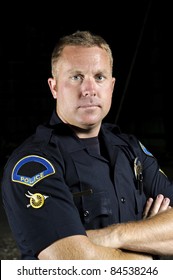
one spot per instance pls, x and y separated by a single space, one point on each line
156 206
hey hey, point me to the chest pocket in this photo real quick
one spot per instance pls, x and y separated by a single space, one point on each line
96 210
93 192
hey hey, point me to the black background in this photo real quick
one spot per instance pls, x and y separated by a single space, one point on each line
140 35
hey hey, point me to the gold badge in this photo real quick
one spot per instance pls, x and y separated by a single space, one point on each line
36 200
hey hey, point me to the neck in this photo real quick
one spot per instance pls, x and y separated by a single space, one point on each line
86 133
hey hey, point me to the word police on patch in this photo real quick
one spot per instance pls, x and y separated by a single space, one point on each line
31 169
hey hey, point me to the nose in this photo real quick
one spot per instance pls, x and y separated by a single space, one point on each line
88 88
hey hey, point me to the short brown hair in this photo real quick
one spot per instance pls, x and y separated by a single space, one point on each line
80 38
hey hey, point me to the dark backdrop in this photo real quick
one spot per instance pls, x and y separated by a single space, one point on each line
140 35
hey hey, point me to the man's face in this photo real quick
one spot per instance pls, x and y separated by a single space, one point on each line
83 86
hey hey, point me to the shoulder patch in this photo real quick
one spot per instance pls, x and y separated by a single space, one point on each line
144 149
31 169
162 172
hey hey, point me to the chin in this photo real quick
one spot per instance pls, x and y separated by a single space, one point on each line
90 125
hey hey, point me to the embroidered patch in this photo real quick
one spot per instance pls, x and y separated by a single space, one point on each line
31 169
145 150
36 199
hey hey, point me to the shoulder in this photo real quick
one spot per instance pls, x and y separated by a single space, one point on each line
33 145
127 138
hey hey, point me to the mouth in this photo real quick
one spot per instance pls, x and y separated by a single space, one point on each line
90 106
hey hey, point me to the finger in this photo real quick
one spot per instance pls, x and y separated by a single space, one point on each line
147 207
165 204
154 209
160 204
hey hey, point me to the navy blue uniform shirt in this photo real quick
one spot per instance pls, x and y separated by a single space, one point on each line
57 185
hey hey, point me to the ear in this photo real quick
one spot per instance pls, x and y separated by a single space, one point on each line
52 85
113 82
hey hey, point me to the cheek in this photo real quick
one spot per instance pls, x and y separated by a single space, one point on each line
68 92
108 98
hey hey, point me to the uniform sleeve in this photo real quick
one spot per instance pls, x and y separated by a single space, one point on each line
155 180
38 203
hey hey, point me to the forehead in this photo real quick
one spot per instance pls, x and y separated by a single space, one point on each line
84 55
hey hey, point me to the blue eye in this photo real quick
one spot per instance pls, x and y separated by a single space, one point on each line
77 77
100 77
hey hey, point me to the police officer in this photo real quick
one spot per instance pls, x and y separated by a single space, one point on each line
78 187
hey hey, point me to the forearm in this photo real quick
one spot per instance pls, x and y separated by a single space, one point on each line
81 248
153 235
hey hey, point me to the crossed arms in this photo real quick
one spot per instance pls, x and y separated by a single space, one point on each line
133 240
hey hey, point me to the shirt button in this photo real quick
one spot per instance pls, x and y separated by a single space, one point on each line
123 200
86 213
